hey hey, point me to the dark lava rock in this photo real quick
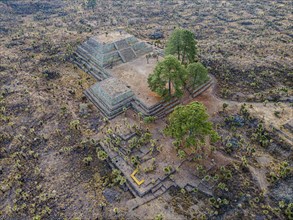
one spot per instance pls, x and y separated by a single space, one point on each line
236 120
260 217
111 195
246 23
3 30
283 190
51 74
33 7
2 68
157 35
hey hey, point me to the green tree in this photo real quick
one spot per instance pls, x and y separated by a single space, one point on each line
189 125
183 44
197 74
168 78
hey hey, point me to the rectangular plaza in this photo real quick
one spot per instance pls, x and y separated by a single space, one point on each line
135 74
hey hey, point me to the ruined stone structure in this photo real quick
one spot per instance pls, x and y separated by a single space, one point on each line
102 52
111 96
146 186
118 61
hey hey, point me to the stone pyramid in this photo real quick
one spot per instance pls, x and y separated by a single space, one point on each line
112 49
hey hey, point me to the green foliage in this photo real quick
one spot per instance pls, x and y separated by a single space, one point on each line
74 124
168 72
222 186
225 105
102 155
135 160
168 169
117 177
116 211
261 136
226 174
218 203
87 160
134 142
197 74
282 170
170 76
158 217
37 217
182 43
244 161
289 211
207 177
244 111
277 114
181 154
189 125
282 204
149 119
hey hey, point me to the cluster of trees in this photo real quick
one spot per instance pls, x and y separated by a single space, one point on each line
189 124
179 69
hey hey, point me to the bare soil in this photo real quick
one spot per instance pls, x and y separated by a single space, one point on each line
135 75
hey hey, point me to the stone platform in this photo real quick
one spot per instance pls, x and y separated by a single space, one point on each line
111 96
117 60
153 181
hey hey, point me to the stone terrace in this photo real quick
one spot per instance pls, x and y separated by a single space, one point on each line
130 147
112 96
117 60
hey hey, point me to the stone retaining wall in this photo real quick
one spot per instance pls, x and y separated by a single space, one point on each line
93 57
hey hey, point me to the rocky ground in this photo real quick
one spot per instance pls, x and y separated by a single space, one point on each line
48 163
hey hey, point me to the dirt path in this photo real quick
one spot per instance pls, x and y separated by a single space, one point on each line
260 177
266 112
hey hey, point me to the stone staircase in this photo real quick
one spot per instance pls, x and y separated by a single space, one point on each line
89 67
159 110
127 54
149 187
121 44
168 108
93 56
142 48
139 106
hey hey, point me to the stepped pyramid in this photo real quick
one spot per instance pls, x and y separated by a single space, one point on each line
97 56
110 96
105 51
104 57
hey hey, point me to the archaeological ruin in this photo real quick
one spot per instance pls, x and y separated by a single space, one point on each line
121 63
